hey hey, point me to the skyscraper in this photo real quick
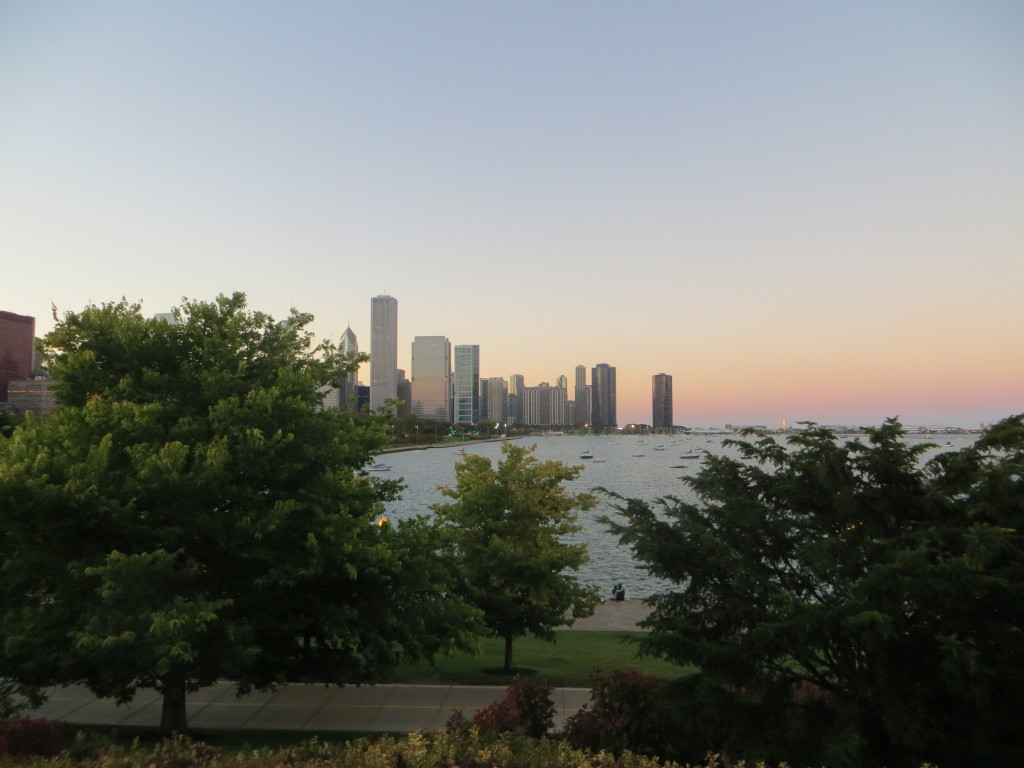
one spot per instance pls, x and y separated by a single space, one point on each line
347 394
661 401
544 405
582 394
466 400
602 384
17 340
494 399
516 384
383 350
431 377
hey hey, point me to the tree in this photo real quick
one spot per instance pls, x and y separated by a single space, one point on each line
506 529
192 515
845 604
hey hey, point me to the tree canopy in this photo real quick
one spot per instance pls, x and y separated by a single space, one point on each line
193 514
846 604
506 528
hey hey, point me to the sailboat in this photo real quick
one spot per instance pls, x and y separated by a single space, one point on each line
690 452
587 453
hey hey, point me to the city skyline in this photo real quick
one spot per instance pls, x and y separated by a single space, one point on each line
806 211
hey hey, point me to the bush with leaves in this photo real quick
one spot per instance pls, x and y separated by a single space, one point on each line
30 736
526 709
628 711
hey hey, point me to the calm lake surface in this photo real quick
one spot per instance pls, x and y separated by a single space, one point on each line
632 467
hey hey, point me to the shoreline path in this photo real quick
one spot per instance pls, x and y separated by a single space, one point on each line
298 707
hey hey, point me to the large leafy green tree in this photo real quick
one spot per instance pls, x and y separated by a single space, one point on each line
193 514
844 603
507 527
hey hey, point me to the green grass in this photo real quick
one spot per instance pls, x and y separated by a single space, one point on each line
568 662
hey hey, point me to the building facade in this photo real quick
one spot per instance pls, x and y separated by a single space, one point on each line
581 412
466 390
602 384
431 377
347 395
545 406
661 401
34 396
404 394
494 399
383 350
516 384
17 340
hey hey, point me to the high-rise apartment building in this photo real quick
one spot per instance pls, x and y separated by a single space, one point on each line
17 339
581 405
516 384
431 377
383 350
347 392
661 401
602 384
494 399
545 406
466 397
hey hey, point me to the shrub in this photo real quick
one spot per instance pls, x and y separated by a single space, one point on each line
628 710
525 709
28 736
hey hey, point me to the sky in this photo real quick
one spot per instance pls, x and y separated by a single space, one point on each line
799 210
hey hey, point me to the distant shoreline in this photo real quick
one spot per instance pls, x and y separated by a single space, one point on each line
460 444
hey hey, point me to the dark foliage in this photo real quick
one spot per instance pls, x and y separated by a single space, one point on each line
31 736
526 709
845 604
629 711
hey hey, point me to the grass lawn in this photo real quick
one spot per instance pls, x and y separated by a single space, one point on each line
568 662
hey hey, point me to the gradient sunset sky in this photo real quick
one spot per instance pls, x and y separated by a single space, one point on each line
800 210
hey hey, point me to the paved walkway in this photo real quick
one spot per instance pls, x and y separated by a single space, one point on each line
397 708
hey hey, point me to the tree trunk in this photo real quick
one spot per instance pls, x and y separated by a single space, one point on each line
508 653
173 717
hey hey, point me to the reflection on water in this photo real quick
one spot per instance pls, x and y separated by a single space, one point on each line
647 468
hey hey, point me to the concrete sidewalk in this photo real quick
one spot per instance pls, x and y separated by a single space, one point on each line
396 708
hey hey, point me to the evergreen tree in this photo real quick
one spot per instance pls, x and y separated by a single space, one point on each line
845 604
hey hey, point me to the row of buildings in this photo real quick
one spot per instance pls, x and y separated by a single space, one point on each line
445 384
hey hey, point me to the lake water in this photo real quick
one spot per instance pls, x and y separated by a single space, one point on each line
632 467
